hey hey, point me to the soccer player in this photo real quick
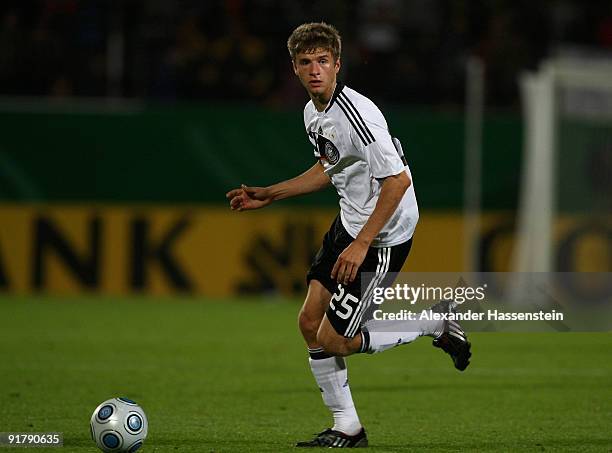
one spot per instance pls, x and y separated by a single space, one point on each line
372 233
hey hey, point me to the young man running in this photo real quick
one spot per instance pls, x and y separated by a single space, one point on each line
372 233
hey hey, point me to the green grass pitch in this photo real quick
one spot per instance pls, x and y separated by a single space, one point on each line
233 376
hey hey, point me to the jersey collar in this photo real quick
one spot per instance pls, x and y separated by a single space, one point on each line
337 90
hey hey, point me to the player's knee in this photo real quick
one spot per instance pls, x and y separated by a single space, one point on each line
308 325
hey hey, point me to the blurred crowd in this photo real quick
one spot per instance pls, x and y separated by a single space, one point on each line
408 51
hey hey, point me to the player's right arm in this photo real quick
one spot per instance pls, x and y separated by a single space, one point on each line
246 198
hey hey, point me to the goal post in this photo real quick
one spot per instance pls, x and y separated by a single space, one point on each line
472 166
566 169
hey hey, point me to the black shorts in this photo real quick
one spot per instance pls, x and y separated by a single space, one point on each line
346 308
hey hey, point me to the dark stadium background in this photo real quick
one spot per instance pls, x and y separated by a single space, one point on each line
123 272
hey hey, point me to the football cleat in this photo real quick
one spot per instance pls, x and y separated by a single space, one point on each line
453 339
335 439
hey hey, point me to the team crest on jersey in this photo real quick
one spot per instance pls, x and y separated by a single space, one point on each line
327 150
331 153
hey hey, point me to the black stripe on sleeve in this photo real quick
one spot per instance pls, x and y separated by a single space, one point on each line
352 119
349 117
352 108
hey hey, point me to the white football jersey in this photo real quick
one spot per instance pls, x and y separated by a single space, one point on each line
351 138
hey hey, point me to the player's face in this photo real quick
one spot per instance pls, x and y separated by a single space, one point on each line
317 71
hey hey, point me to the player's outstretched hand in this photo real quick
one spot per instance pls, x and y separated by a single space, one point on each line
247 198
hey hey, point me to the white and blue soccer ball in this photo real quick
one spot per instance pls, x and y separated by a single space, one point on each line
119 425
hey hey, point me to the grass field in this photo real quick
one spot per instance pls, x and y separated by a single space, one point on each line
233 376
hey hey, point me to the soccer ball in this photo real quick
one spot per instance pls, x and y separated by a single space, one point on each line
119 425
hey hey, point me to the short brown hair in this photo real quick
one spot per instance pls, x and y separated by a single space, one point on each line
316 35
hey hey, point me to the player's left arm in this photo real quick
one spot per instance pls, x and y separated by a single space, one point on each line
386 166
393 189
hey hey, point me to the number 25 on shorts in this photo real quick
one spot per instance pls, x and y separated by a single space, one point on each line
348 303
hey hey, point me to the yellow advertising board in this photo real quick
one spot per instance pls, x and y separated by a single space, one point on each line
68 249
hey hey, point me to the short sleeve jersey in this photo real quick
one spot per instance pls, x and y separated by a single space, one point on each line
352 141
